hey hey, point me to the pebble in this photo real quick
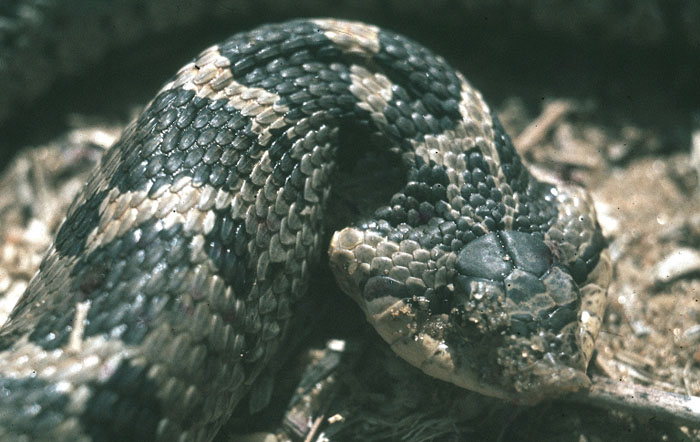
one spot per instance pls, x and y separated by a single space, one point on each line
681 262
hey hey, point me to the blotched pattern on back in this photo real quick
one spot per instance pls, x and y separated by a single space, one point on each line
173 280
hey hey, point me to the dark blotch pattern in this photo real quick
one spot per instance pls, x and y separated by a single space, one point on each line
123 408
71 236
37 405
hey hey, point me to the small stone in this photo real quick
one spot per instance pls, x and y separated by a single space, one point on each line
681 262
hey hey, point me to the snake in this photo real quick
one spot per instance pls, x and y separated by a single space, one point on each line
172 282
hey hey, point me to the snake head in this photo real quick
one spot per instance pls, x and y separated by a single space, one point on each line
510 314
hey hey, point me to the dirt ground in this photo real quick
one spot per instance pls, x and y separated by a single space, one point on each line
620 121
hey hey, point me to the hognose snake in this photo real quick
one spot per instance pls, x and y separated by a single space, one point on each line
174 277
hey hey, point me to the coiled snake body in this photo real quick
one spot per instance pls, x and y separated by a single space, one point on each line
173 279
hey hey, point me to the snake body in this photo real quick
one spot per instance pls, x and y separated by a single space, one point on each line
173 280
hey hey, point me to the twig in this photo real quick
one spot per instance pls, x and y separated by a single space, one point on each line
695 144
642 401
535 132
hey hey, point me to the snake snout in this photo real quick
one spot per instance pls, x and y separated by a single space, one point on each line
511 283
534 290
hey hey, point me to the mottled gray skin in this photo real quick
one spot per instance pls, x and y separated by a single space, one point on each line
173 280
